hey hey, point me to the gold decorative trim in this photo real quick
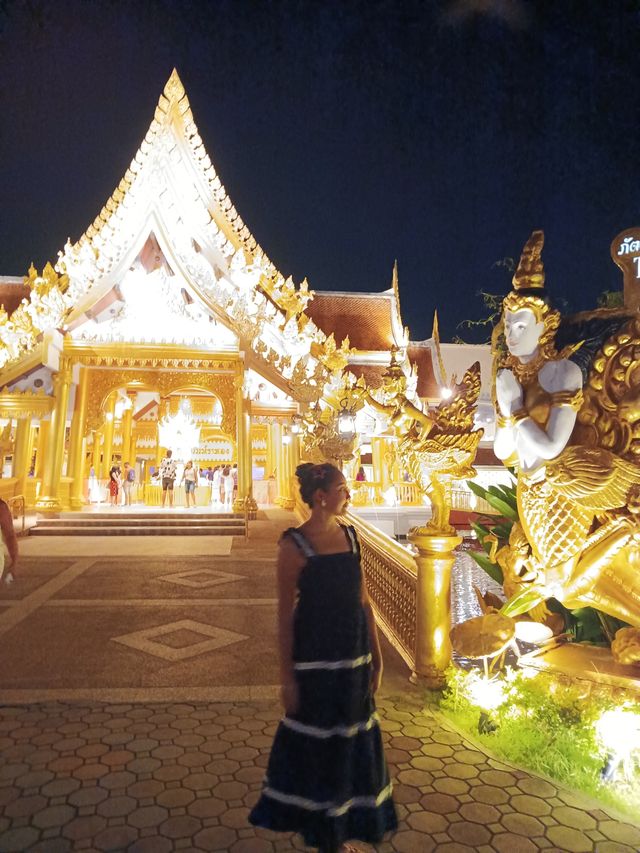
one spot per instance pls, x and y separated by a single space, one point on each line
24 404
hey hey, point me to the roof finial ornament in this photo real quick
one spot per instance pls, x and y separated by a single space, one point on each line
174 90
530 272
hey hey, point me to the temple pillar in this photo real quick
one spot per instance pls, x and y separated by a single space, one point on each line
243 445
49 499
21 457
76 442
127 416
97 451
41 450
109 416
158 449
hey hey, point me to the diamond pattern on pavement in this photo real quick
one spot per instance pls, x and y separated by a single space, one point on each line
207 578
149 640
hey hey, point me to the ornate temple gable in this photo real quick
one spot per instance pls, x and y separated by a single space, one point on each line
171 205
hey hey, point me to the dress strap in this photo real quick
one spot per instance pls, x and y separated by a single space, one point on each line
301 542
353 539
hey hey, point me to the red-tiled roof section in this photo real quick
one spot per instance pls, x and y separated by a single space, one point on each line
12 293
486 456
364 317
427 384
372 373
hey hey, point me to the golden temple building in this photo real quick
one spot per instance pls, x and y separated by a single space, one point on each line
166 325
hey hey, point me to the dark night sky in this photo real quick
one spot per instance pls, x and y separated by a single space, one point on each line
346 133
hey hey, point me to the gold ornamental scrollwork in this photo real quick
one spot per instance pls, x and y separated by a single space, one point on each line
25 404
104 382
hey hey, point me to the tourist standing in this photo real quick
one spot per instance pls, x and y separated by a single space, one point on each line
327 778
167 477
9 545
227 485
127 483
189 479
216 480
234 474
114 485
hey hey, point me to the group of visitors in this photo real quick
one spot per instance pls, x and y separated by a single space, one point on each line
224 484
121 482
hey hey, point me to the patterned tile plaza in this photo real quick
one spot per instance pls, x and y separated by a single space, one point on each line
105 747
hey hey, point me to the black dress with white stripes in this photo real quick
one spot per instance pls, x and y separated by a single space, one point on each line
327 778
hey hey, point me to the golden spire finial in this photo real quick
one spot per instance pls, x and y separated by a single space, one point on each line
174 90
530 272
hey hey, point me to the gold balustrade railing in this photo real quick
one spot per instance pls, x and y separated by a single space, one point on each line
465 500
391 576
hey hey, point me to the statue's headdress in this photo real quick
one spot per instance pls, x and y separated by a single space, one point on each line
528 292
530 272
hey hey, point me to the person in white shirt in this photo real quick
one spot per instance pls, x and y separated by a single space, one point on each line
189 476
168 477
227 484
216 479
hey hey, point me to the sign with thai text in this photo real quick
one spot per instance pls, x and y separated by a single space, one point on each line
625 252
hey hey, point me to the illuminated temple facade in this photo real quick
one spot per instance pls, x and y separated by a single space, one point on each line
166 316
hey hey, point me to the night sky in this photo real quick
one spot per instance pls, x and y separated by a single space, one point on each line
348 134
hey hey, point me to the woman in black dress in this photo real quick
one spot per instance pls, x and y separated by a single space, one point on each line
327 778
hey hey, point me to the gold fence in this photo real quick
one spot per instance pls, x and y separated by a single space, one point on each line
462 499
391 576
372 493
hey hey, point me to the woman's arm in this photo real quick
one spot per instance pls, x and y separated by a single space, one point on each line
374 640
290 562
9 534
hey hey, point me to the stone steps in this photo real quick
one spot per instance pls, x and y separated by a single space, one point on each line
167 523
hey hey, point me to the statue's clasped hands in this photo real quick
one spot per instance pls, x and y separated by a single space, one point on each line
508 393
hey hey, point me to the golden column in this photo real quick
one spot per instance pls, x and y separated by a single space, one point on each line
78 426
109 417
49 499
434 560
126 434
41 450
131 448
158 448
97 449
21 456
281 465
243 446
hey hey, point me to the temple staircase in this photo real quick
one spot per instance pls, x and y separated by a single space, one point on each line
141 522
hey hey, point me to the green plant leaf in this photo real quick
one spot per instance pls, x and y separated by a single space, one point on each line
502 506
478 490
481 530
492 569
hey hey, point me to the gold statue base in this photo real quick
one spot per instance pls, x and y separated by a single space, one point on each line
48 504
434 560
249 504
577 662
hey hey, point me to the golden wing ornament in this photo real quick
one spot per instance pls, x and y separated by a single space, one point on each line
593 477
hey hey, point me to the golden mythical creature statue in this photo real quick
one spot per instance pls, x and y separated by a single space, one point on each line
567 395
439 447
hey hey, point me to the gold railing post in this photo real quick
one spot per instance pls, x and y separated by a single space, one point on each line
434 560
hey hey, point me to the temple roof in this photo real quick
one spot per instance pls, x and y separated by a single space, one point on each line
12 291
421 356
370 320
173 110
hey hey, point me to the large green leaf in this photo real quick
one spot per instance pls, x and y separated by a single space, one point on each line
494 571
478 490
502 506
481 530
